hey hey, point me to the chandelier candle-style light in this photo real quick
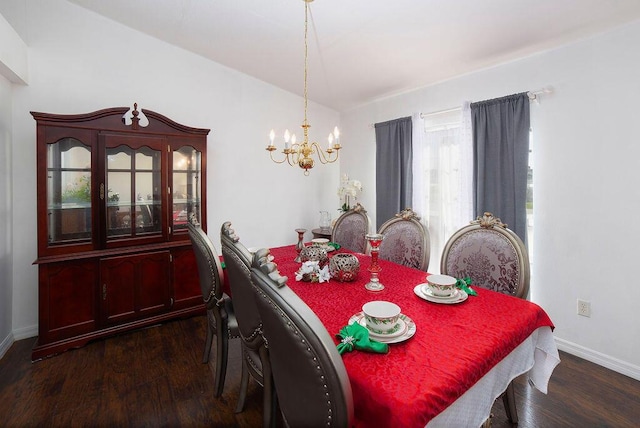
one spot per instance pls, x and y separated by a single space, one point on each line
301 153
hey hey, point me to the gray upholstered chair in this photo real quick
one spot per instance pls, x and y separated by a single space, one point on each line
350 229
310 378
490 254
406 240
221 319
255 357
494 257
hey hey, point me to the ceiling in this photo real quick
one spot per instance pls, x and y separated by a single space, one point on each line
362 50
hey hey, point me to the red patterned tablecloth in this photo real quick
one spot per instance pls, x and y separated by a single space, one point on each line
453 347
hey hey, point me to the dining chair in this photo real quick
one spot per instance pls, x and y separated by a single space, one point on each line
221 319
406 240
351 228
494 257
255 357
310 378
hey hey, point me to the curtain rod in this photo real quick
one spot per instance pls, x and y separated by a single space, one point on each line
449 110
533 96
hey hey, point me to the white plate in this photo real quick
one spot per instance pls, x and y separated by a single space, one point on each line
329 248
427 291
410 329
402 329
461 296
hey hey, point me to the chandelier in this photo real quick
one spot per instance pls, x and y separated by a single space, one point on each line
301 153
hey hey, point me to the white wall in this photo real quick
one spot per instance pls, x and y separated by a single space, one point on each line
6 337
13 54
81 62
586 176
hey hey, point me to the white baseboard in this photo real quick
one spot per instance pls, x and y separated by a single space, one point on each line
26 332
601 359
22 333
6 344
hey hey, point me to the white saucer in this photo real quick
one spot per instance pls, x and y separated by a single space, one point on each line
427 291
461 296
402 329
408 333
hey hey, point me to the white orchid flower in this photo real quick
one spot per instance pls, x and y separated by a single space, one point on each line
323 274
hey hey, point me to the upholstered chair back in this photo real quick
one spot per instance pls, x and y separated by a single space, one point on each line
255 356
350 229
209 266
310 378
489 253
221 319
237 260
406 240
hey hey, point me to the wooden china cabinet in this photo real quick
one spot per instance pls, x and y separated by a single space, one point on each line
116 188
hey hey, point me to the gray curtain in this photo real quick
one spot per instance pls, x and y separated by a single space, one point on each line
394 175
500 156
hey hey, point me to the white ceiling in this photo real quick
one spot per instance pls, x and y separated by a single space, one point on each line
361 50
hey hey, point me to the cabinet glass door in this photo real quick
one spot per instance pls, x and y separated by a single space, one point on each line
133 192
68 192
186 186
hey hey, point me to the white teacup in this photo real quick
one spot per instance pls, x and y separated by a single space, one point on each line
380 316
320 241
441 285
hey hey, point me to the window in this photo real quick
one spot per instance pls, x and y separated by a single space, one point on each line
530 200
442 176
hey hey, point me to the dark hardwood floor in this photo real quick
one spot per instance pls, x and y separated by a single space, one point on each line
154 377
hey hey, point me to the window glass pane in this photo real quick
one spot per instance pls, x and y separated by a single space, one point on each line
119 158
68 191
441 178
144 159
134 192
118 203
530 201
186 186
148 202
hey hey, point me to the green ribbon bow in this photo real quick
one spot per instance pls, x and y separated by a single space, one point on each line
355 336
334 245
463 284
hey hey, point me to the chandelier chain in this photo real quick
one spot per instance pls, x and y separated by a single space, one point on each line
306 48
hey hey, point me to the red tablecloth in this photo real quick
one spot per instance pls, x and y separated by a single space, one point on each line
454 345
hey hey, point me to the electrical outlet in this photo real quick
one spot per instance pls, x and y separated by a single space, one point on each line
584 308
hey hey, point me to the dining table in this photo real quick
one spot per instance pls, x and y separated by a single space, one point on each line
453 359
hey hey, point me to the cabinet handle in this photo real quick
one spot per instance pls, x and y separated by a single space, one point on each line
171 300
104 291
102 191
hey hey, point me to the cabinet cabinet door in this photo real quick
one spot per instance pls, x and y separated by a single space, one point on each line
135 286
65 191
134 189
186 283
67 295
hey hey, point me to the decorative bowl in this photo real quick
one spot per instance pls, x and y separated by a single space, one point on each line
314 253
441 285
344 267
320 241
381 317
